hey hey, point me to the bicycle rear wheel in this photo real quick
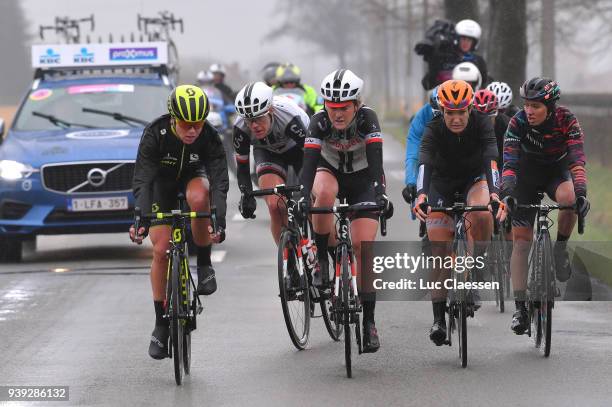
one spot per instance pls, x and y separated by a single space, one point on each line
295 300
346 317
462 332
176 325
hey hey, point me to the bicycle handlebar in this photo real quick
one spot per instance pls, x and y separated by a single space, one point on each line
139 216
557 207
281 189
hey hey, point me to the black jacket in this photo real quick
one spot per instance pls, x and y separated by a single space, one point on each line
163 157
447 156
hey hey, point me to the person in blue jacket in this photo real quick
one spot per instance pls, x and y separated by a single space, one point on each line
413 142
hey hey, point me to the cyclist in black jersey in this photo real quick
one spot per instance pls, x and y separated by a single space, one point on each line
180 151
343 156
275 127
458 155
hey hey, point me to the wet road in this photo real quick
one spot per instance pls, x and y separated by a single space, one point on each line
78 312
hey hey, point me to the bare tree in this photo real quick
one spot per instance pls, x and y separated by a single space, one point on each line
457 10
16 56
547 38
329 24
507 53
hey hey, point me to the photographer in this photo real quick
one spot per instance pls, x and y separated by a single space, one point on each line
446 45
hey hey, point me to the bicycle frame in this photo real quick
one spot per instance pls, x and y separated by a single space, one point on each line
343 235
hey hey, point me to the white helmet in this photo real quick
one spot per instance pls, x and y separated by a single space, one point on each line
503 92
340 86
204 77
217 68
469 28
468 72
254 100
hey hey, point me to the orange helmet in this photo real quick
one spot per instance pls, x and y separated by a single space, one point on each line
455 95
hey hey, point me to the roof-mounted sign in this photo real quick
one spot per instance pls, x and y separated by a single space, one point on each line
105 54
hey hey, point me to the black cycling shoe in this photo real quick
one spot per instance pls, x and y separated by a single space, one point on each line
207 284
563 269
158 348
438 333
371 343
520 321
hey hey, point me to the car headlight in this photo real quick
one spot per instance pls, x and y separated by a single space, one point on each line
13 170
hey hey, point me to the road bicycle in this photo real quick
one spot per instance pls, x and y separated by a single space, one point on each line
297 260
541 282
460 304
345 306
182 304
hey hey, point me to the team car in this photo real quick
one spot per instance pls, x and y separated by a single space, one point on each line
67 161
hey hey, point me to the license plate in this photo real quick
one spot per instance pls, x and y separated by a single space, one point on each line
99 204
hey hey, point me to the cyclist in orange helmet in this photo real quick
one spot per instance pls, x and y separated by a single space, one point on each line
458 155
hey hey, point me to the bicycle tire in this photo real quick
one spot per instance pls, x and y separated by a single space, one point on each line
176 326
331 324
298 335
501 272
345 288
462 333
188 325
547 321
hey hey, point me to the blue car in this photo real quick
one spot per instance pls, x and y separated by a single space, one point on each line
67 161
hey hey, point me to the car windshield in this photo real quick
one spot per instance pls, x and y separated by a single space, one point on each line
145 102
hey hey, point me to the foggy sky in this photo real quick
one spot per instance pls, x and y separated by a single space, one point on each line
232 30
229 30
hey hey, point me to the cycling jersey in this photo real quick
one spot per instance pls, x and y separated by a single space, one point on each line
347 151
413 142
558 138
446 157
288 130
500 126
163 160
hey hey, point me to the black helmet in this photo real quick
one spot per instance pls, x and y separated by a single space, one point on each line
540 89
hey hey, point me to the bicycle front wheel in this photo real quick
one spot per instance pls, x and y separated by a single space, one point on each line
176 324
294 292
547 326
346 316
332 324
500 272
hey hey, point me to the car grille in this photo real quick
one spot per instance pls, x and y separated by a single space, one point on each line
73 178
60 215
